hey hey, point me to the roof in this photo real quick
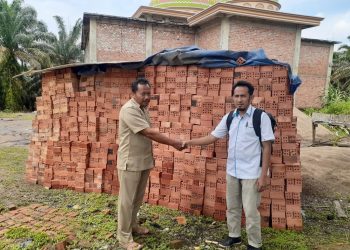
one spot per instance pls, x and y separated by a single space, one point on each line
312 40
79 65
161 12
220 9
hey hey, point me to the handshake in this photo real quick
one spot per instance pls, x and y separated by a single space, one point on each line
180 145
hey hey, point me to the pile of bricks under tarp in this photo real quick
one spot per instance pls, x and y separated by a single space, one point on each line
75 136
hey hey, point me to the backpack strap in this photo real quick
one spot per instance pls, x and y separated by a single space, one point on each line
257 122
229 121
257 127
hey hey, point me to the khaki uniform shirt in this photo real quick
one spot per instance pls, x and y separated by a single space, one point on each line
135 150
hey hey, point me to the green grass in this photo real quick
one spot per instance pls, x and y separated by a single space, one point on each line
337 108
24 238
284 240
17 116
96 225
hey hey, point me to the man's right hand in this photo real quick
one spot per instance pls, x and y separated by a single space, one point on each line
179 145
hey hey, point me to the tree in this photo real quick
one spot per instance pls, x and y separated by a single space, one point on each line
24 41
66 46
341 69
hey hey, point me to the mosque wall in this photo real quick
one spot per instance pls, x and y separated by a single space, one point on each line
277 39
171 36
209 36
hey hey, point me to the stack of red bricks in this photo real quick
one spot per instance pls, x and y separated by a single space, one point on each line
188 103
76 130
74 145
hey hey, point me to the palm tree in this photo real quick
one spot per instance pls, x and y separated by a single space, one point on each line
346 49
341 69
66 46
24 41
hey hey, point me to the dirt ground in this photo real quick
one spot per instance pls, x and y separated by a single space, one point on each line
15 132
325 169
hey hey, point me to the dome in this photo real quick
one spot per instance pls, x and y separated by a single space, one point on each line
258 4
186 5
199 5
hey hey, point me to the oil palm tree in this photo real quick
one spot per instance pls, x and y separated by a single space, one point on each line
24 41
66 46
341 69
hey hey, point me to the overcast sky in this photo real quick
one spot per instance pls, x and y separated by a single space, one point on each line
336 25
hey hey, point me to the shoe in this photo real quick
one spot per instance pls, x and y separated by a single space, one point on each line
131 246
230 241
249 247
140 230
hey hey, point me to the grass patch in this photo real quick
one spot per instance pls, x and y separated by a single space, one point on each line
24 238
96 224
17 116
337 108
12 160
284 240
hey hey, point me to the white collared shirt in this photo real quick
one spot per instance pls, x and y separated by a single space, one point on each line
244 150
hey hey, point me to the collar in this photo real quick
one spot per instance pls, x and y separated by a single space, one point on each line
135 103
249 112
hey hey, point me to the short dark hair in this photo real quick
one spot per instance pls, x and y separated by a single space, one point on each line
246 84
135 84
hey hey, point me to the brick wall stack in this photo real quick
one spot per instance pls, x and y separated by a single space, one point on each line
74 144
76 129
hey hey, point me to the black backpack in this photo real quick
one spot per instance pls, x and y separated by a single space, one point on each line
256 123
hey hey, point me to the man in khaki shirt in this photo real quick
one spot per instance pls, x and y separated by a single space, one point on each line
135 160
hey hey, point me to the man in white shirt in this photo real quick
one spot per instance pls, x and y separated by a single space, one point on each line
245 177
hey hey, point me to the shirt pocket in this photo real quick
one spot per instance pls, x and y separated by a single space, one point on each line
249 130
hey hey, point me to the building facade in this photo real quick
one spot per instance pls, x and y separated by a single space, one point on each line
238 25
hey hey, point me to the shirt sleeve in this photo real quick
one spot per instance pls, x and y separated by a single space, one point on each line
266 128
221 129
134 120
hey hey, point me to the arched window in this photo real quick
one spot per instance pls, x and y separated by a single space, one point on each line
260 6
270 7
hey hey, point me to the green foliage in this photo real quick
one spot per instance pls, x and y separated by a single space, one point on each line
39 239
336 102
309 111
26 44
284 240
23 43
340 78
335 94
337 108
66 47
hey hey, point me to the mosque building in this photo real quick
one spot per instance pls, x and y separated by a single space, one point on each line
238 25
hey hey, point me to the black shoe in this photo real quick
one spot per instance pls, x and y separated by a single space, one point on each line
230 241
253 248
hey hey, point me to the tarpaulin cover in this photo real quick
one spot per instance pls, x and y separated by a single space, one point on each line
217 59
193 55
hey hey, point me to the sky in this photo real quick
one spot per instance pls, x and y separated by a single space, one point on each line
335 27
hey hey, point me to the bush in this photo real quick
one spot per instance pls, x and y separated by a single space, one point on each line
337 108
